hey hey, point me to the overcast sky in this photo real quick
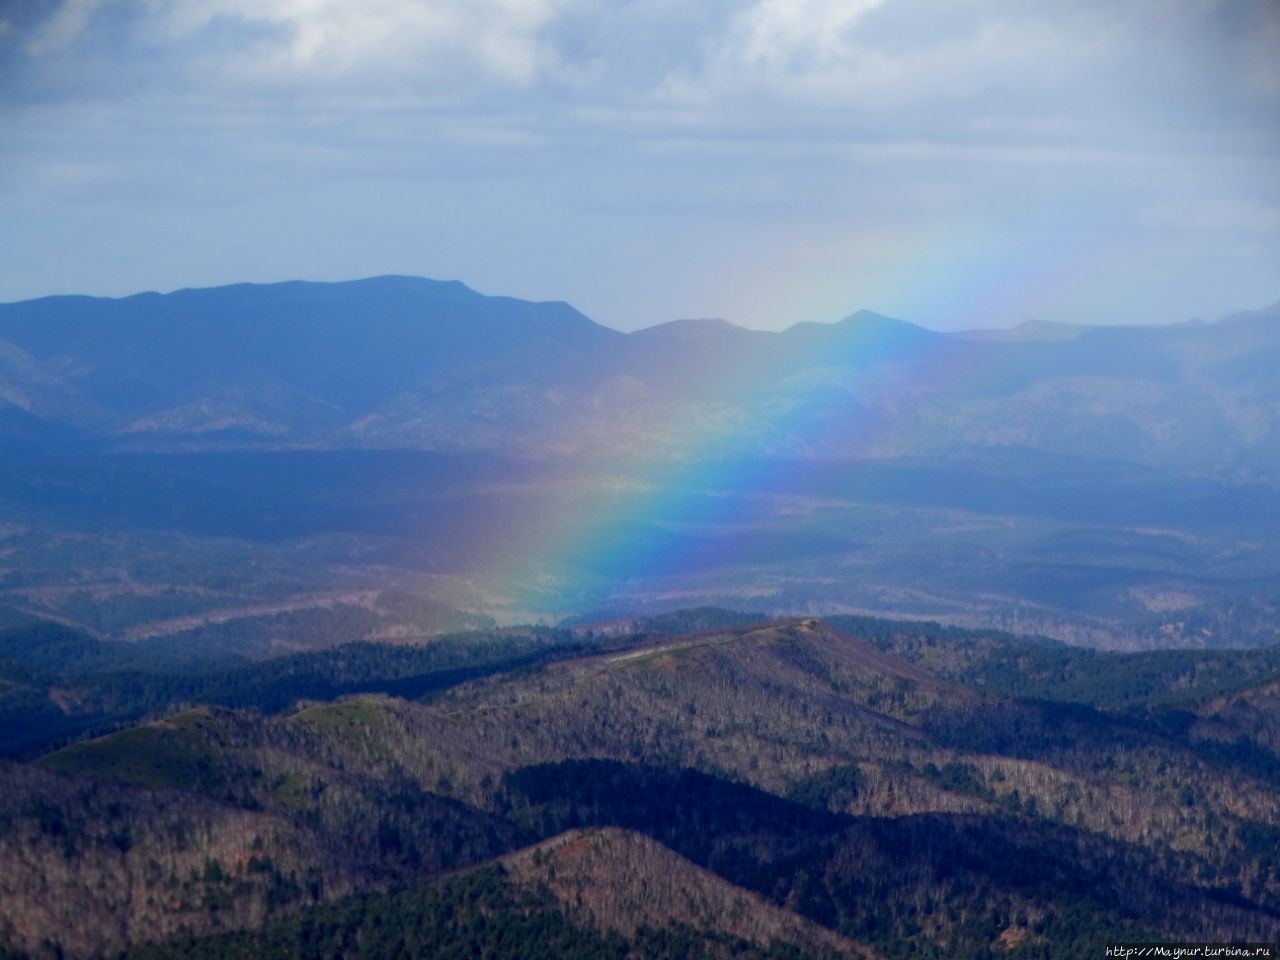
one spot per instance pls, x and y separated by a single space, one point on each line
952 162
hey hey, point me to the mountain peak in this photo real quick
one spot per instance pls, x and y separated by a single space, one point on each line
869 316
1029 331
1264 315
692 328
860 326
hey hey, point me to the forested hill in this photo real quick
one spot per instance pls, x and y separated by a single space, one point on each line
797 789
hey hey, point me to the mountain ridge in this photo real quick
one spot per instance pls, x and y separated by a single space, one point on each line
405 362
532 463
1267 312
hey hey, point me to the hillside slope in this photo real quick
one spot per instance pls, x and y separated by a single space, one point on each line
622 880
839 781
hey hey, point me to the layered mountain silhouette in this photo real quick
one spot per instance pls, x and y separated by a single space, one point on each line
492 457
401 362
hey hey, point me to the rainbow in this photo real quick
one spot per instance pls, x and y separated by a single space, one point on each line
698 479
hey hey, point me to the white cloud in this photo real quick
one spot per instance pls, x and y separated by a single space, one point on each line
921 68
984 70
809 34
320 44
62 30
1262 56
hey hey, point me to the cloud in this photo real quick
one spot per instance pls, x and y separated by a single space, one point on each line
812 35
64 28
233 54
1082 74
322 44
553 147
985 70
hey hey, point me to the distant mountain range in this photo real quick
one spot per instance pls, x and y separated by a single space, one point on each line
259 468
408 363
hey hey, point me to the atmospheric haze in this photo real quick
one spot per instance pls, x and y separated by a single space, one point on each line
958 165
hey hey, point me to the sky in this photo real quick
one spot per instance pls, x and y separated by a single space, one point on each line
956 163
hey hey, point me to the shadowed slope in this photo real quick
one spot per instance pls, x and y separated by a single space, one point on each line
622 880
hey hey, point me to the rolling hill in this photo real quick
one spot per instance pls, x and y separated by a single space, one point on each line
783 761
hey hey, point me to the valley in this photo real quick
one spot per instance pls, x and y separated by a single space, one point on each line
492 460
252 552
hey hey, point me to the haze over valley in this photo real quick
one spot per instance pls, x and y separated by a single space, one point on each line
397 456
